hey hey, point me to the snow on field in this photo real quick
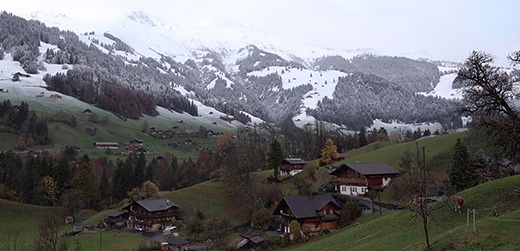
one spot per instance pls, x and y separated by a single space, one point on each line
211 115
323 85
444 88
32 90
403 127
448 68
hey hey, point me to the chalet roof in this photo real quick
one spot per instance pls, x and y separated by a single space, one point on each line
254 238
113 214
295 161
156 204
368 168
106 143
306 206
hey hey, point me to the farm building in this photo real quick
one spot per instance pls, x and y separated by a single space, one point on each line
292 166
358 178
106 145
150 215
314 213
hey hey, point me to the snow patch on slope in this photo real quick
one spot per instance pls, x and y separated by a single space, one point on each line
444 88
323 85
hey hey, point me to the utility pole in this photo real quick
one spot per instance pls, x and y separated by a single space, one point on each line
100 238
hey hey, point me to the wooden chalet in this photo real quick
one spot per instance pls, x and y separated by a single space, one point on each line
292 166
117 219
136 142
248 242
314 213
106 145
357 178
150 215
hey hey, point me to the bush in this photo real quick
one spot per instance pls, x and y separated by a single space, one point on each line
30 67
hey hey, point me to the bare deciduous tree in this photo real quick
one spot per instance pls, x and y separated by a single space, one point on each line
489 100
13 241
48 234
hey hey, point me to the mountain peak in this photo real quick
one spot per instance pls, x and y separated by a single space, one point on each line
142 17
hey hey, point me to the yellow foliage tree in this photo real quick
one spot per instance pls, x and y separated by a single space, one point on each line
329 152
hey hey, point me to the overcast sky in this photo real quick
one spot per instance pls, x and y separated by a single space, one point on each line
440 29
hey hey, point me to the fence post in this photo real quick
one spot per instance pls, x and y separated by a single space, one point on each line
467 217
474 221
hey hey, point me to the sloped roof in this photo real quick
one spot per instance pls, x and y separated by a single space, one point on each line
368 168
156 204
306 206
295 161
113 214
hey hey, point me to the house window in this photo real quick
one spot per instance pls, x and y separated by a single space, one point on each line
343 189
354 189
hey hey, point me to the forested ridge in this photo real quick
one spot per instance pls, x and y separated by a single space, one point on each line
379 87
361 97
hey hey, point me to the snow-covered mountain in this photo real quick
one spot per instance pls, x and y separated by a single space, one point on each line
247 75
151 36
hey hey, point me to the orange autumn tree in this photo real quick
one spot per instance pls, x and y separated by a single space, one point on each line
328 153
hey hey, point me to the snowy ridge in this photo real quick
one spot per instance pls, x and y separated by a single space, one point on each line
32 89
151 36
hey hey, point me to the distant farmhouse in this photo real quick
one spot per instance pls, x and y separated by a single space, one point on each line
55 96
314 213
106 145
358 178
136 142
292 166
150 215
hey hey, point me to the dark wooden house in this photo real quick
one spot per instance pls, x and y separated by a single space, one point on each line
314 213
292 166
115 219
106 145
150 215
358 178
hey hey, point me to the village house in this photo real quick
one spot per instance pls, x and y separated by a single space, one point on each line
248 242
357 178
292 166
150 215
314 213
115 219
136 142
55 96
106 145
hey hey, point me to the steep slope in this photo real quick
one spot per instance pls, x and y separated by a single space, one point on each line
448 231
228 68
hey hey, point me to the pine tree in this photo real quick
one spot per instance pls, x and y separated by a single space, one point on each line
363 136
462 174
275 157
104 186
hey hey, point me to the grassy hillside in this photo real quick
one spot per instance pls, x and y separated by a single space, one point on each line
24 218
438 151
400 230
108 126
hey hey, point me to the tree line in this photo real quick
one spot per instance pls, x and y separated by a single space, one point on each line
19 119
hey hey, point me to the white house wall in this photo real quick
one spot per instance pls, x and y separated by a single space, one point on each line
386 181
353 190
